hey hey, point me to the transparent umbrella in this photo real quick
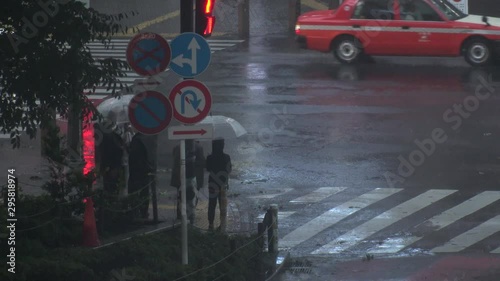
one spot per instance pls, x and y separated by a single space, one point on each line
224 127
116 109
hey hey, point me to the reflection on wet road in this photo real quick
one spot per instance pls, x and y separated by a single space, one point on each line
359 156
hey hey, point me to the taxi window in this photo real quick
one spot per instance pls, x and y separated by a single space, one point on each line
374 9
417 10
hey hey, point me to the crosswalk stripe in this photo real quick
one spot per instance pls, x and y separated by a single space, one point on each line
470 237
382 221
123 46
281 215
335 215
126 41
496 251
318 194
392 245
100 54
269 196
117 50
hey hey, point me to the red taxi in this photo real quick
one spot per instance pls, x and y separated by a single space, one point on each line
399 28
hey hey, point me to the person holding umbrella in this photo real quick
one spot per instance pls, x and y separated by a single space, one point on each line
219 167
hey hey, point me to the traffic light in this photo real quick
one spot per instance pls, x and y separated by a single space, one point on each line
204 18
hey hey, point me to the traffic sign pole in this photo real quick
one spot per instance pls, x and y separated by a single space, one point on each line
186 26
183 204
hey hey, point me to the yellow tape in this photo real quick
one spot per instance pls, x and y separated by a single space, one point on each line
159 19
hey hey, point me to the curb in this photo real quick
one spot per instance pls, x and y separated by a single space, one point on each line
139 233
281 260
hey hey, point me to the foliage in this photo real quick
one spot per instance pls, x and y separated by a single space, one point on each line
148 258
41 218
46 63
67 185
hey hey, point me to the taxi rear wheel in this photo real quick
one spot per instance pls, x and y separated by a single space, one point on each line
347 49
478 52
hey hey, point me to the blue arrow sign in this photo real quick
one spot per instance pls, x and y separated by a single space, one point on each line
190 54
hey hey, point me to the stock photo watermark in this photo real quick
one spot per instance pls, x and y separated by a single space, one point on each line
454 117
11 219
29 30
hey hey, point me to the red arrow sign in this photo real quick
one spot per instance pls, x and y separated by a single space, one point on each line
191 132
196 132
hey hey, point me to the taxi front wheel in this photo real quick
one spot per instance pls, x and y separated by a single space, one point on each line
347 49
478 52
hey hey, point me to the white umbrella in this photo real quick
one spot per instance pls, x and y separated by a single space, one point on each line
224 127
116 109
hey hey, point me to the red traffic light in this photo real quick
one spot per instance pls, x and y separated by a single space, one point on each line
210 26
205 20
209 6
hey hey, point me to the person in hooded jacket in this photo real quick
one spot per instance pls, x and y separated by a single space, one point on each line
219 167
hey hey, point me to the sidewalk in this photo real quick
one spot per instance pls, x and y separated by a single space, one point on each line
239 218
33 171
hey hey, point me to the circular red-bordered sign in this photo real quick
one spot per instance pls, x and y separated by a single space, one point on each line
148 54
150 112
191 101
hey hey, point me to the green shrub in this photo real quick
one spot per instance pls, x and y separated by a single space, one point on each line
40 219
146 258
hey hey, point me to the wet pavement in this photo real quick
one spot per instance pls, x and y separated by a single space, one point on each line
405 150
313 123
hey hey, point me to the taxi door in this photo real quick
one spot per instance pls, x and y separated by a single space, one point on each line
424 30
373 22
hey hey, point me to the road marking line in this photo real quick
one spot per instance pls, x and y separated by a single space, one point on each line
496 251
167 35
314 5
394 245
335 215
470 237
281 215
124 45
269 196
384 220
97 97
98 54
318 194
156 20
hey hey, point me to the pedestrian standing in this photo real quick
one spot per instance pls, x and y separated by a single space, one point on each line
127 135
140 173
111 157
219 167
194 163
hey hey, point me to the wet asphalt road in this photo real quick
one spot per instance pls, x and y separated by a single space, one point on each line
314 123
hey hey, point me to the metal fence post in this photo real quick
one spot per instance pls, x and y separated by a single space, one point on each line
260 232
243 18
273 230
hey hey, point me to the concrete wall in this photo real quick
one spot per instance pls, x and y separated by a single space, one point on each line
266 16
485 7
